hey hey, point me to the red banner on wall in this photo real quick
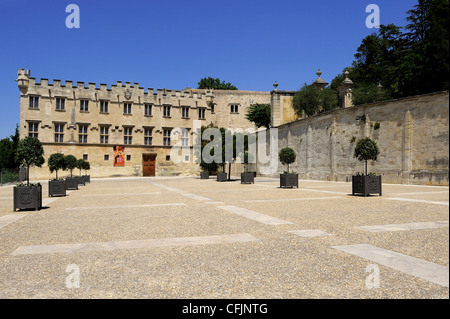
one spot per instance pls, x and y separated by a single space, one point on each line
119 156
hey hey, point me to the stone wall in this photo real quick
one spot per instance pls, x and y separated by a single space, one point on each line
412 134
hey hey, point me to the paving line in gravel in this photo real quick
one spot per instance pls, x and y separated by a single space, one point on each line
419 201
423 269
250 214
121 194
288 199
125 206
8 219
134 244
405 226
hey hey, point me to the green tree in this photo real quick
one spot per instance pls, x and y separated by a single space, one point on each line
56 162
8 148
217 84
206 167
366 150
30 153
310 100
287 156
80 164
71 163
260 114
369 94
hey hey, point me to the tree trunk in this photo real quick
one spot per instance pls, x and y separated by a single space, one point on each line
28 175
366 167
229 171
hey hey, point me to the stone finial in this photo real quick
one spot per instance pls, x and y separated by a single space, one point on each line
345 91
319 82
275 85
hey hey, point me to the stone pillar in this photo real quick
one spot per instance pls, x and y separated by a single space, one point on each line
332 176
308 151
407 140
276 109
345 92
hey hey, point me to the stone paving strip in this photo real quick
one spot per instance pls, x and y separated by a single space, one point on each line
405 226
287 199
134 244
310 233
419 201
125 206
122 194
250 214
8 219
181 192
423 269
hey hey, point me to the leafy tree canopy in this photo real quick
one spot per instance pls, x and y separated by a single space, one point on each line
310 100
30 153
260 114
211 83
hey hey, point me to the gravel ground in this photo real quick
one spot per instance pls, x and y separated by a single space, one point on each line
279 264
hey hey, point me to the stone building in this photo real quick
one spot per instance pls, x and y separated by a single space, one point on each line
124 129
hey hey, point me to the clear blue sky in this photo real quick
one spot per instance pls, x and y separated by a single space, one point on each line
173 44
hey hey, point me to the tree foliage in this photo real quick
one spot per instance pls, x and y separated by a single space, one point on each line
56 161
310 100
71 163
366 150
8 148
260 114
287 156
217 84
30 153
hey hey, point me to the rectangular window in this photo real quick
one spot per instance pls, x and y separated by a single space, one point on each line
212 108
201 114
82 133
166 111
148 136
106 157
185 112
128 157
166 139
85 157
103 106
234 108
34 102
185 137
126 108
33 129
59 133
148 110
104 134
127 135
60 104
84 106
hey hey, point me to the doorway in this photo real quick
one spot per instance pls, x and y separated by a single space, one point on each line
148 164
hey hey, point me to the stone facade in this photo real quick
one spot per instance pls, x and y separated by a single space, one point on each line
412 134
91 121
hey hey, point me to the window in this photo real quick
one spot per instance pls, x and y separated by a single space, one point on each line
127 135
104 134
59 133
85 157
106 157
128 157
185 137
167 157
148 110
201 114
212 108
185 112
34 102
82 133
234 108
84 106
103 106
60 104
33 129
166 111
166 139
126 108
148 136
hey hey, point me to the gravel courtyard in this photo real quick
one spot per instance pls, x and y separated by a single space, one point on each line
184 237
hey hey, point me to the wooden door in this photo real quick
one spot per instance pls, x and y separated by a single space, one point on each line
148 164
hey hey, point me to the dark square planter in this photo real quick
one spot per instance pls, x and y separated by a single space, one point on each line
222 177
87 178
204 175
366 185
71 183
56 188
80 180
247 178
28 197
289 180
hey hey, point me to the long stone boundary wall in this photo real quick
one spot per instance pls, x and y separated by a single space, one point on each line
412 135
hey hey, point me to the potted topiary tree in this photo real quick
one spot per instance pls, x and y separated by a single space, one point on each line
86 167
365 184
80 165
56 187
287 179
247 177
71 163
29 153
